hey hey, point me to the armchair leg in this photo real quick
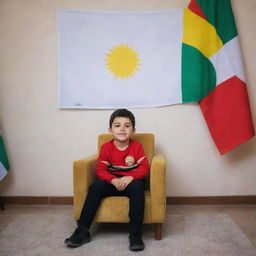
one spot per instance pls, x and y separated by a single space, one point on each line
158 231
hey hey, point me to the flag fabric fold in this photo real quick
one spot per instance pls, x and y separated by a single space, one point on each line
4 163
210 35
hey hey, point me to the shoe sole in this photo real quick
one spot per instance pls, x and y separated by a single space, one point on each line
137 248
74 245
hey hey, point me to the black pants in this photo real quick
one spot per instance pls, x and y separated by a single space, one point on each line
101 189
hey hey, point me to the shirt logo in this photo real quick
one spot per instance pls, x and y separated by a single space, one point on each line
129 160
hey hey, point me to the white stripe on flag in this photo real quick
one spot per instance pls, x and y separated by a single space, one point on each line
3 171
228 62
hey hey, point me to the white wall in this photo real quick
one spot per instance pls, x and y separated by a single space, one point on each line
42 141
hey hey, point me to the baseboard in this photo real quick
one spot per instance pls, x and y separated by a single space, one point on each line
211 200
44 200
198 200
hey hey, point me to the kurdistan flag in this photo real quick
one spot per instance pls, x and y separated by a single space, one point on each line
4 164
110 60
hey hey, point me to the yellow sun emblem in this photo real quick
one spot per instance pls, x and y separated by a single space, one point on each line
122 61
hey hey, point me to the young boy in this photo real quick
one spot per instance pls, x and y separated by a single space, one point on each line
121 169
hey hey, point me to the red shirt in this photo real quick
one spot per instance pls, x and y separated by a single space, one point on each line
113 162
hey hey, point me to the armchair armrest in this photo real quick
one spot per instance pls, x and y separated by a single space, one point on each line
84 173
158 188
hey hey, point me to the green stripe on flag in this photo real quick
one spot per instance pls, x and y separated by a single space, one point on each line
3 155
198 75
219 14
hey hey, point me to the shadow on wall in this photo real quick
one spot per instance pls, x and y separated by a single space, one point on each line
7 182
242 152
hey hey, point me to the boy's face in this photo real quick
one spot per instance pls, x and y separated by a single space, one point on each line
122 129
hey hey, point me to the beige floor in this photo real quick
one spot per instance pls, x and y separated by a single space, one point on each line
243 215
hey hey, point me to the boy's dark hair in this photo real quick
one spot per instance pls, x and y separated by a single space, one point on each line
122 113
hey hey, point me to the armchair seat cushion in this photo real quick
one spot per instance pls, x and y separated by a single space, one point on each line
116 208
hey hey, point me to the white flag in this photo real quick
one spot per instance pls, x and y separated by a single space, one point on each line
119 59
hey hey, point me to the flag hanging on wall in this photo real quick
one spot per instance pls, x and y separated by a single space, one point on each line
110 60
120 59
211 57
4 164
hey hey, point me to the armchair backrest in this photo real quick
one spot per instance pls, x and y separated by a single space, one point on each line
146 139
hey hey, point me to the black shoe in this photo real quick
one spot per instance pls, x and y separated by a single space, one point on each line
136 242
78 238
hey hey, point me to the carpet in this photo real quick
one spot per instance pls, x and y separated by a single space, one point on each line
34 235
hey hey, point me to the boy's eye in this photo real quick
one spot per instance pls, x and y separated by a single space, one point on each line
119 125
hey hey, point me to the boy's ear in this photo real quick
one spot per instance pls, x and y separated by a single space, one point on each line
134 130
110 131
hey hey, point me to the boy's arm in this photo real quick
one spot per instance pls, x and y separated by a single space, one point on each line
102 167
143 166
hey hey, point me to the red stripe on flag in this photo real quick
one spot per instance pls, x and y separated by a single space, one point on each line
228 116
195 8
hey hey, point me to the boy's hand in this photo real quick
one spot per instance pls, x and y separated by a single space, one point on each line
121 183
115 182
124 182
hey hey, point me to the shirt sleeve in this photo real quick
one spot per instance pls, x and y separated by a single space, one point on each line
143 166
102 166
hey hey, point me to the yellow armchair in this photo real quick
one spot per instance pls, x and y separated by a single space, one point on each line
115 208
